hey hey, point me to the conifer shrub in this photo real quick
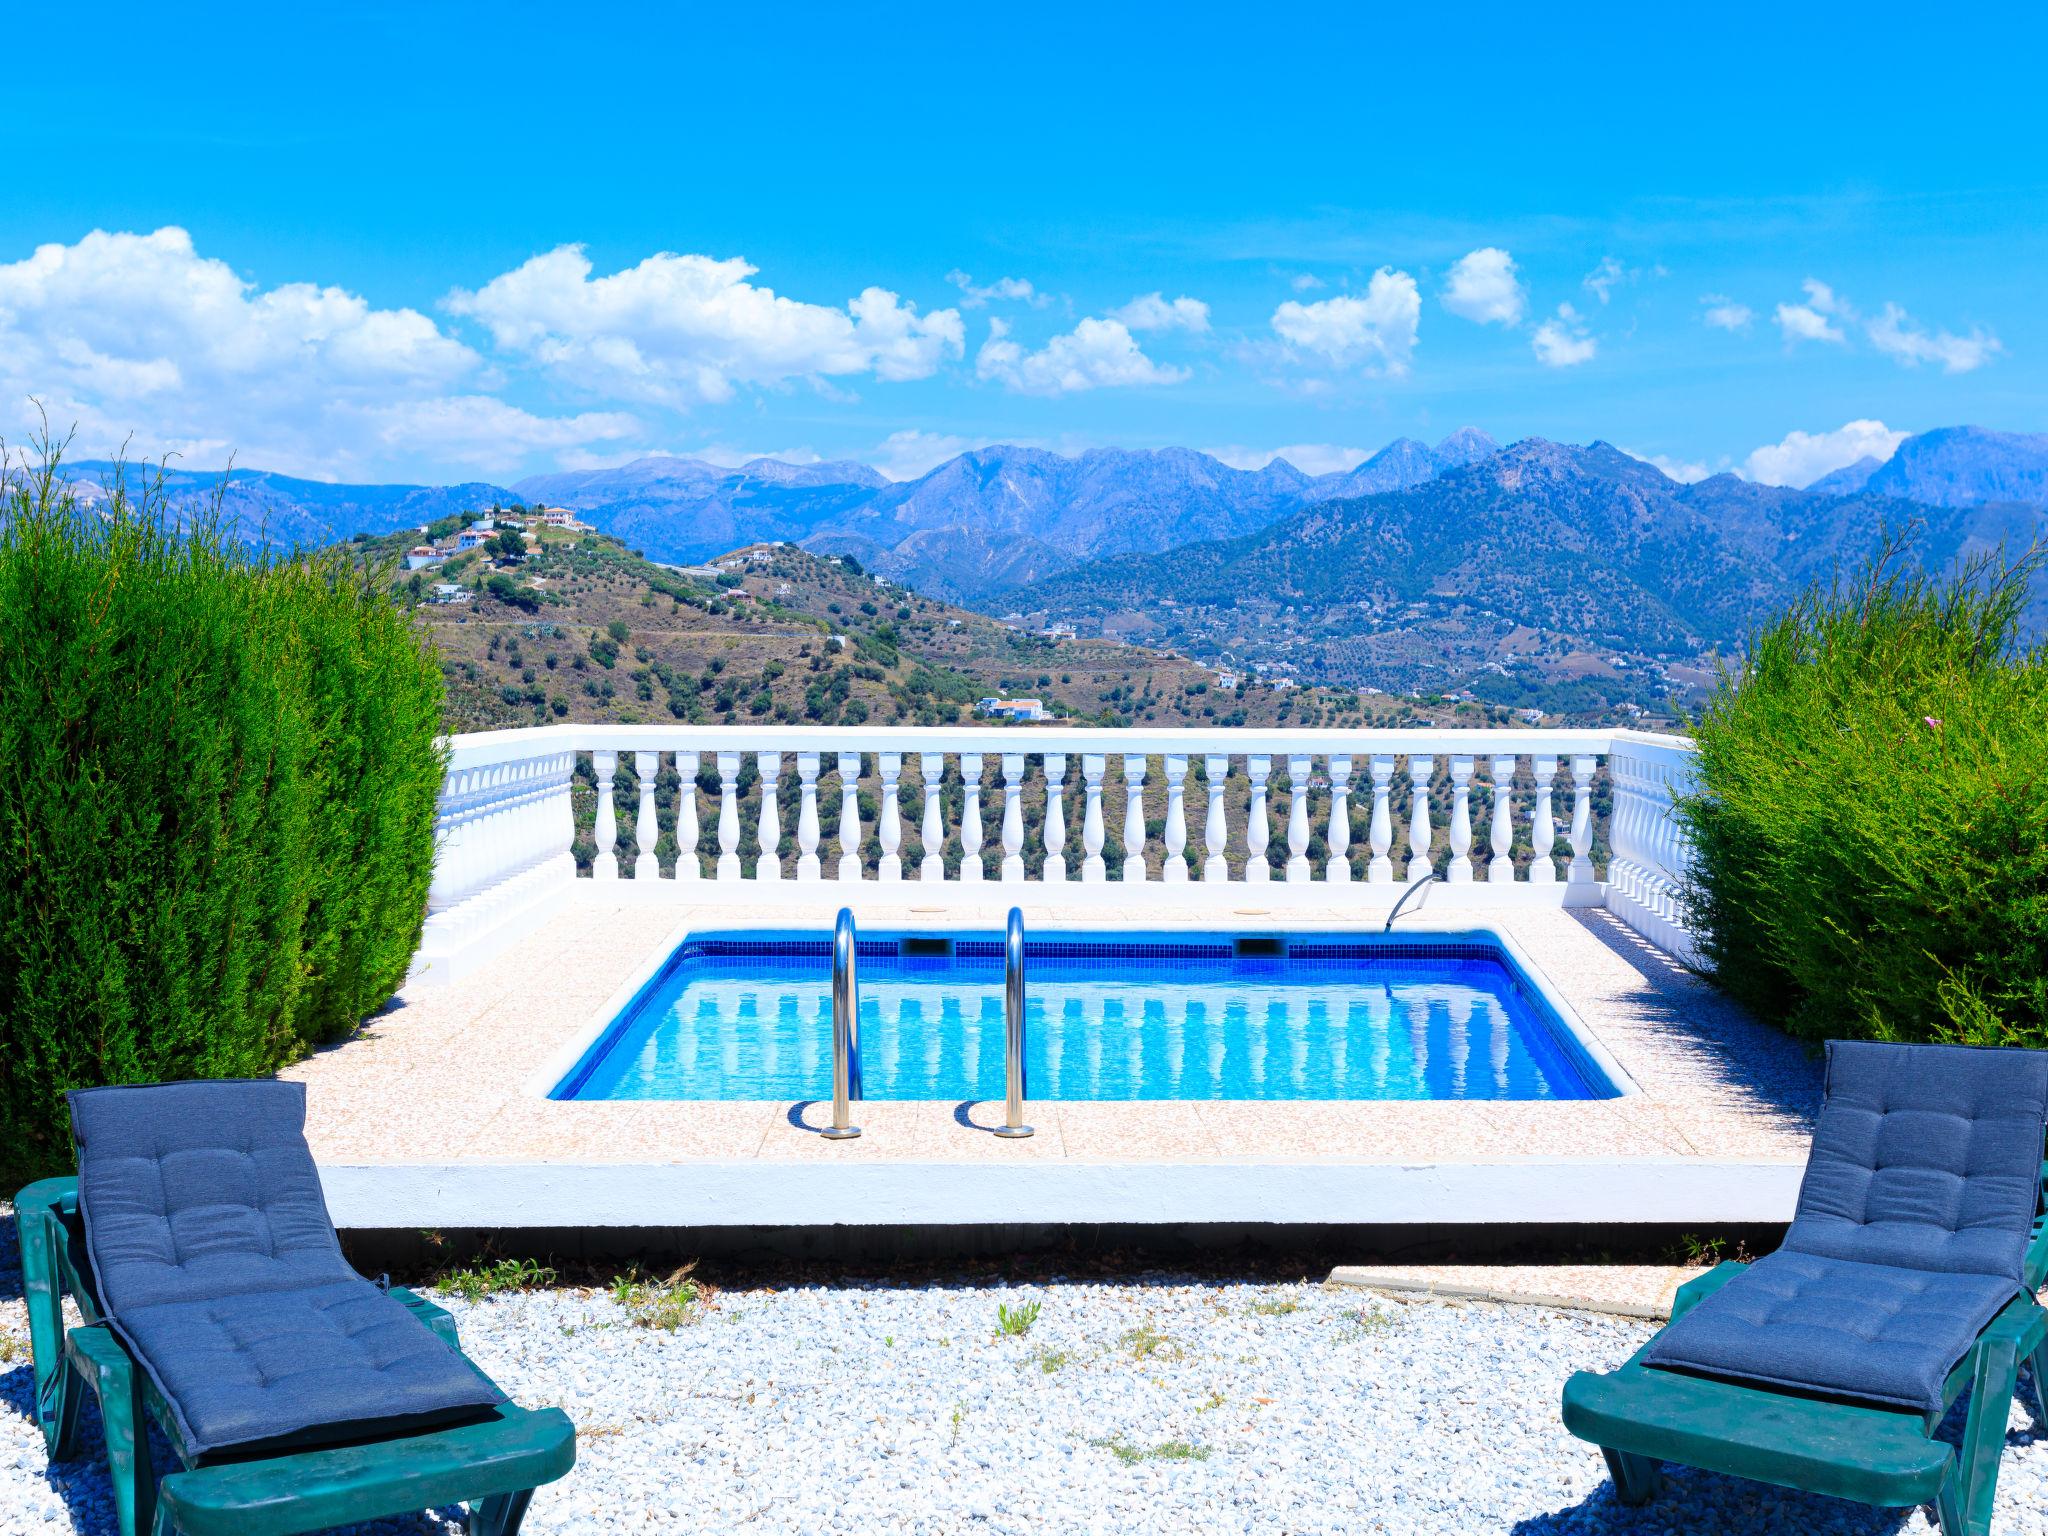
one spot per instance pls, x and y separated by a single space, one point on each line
218 775
1871 822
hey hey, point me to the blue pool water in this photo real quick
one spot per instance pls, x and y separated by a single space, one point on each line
1187 1016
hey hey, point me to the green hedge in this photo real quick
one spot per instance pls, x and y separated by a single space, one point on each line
1872 822
217 786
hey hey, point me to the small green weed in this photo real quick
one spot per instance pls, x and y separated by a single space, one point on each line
494 1278
959 1418
1015 1322
1367 1323
1145 1342
1167 1450
10 1349
664 1304
1284 1307
1214 1401
1050 1360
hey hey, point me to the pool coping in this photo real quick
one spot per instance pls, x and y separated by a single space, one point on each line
543 1082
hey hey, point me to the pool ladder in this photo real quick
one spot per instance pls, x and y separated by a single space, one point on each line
845 1029
846 1086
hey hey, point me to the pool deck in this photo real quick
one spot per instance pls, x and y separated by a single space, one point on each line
430 1118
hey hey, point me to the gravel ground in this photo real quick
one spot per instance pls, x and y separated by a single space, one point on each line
1151 1404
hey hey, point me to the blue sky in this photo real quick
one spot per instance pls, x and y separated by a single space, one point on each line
444 242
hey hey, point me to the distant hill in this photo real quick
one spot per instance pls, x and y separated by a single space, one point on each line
1541 565
287 512
1966 466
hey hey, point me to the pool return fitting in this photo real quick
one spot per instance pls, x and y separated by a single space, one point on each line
845 1030
1013 1125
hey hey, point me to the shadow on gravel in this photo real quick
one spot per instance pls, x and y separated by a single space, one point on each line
1696 1503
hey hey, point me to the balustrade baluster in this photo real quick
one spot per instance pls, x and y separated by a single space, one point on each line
1093 765
646 827
1460 870
1503 865
1381 870
933 766
890 831
1257 834
849 817
1337 870
1297 819
1581 872
808 866
1055 871
1215 829
687 831
1175 869
1012 866
970 819
1542 828
728 816
768 828
1134 818
606 865
1420 770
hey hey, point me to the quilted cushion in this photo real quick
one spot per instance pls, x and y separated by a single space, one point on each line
1925 1156
1836 1327
334 1362
1909 1235
220 1269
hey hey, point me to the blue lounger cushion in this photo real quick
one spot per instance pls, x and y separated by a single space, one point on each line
219 1267
1909 1236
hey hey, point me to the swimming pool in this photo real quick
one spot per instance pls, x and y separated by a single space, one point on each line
748 1016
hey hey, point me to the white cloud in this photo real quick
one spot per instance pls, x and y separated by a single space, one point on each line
139 334
1724 314
1376 332
909 454
1896 334
1008 289
1096 354
1563 342
1815 319
1154 312
680 330
1604 278
1483 288
1309 458
1305 282
1684 471
1803 457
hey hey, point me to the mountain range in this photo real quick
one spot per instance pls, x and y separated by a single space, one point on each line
1541 561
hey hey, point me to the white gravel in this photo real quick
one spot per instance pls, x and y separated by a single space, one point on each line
872 1408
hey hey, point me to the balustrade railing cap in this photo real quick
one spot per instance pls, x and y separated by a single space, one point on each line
483 748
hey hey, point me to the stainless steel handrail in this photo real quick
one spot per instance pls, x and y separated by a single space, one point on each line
1013 1125
845 1029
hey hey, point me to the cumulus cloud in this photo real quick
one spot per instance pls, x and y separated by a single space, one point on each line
126 333
1724 314
1376 332
1096 354
1009 289
1155 312
1483 288
1305 282
908 454
1815 320
1803 457
683 330
1309 458
1684 471
1563 341
1896 334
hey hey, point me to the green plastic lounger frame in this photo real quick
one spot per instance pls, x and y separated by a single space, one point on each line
1828 1442
215 1301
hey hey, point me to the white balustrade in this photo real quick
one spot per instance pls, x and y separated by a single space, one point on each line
890 831
1134 820
506 822
1055 818
768 830
849 817
606 865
